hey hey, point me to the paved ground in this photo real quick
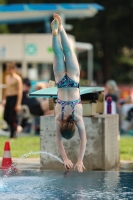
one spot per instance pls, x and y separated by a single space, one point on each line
34 163
126 165
27 163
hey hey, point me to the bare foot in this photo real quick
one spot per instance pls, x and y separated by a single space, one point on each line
54 26
56 16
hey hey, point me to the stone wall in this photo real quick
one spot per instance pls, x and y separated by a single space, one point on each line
102 150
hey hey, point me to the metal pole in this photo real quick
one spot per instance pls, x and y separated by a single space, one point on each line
24 68
90 65
47 27
24 62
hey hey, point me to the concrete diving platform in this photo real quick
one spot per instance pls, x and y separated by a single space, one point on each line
102 150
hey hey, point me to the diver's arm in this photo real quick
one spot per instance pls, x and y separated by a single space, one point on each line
83 141
67 162
61 147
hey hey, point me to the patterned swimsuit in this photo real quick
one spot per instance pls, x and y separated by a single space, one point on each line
65 83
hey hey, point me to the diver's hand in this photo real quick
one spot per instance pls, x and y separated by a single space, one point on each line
68 164
80 166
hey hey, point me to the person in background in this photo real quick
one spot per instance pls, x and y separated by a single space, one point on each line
41 85
32 103
112 90
12 97
36 107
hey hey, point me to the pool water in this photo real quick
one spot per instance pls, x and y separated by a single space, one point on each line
57 185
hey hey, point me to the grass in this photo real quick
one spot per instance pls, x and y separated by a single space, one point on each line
26 144
21 145
126 148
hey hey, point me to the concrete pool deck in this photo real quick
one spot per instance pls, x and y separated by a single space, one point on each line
27 163
34 164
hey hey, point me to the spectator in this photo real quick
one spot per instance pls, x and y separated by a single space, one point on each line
36 107
12 97
32 103
112 90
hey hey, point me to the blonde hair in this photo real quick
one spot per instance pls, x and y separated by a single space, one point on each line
113 84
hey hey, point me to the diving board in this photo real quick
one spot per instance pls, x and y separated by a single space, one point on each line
52 92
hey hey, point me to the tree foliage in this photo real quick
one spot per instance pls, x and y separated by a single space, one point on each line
3 28
3 2
110 31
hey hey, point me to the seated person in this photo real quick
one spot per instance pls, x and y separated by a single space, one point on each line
36 107
32 103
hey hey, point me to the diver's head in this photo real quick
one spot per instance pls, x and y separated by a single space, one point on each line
68 127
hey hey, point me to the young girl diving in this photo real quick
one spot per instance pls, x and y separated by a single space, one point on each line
68 110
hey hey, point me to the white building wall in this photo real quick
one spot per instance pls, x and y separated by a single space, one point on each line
11 47
28 48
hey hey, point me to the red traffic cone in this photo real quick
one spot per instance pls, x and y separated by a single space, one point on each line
7 161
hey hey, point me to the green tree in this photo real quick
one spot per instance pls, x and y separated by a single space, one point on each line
110 31
3 1
3 27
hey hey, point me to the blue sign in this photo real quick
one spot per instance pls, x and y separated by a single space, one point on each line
2 52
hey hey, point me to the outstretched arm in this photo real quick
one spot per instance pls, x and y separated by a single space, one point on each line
19 95
67 163
82 134
4 93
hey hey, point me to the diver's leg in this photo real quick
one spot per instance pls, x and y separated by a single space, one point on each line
58 64
72 65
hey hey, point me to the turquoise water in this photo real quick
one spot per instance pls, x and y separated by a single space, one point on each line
57 185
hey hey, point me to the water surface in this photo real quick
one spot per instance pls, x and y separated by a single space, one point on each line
45 185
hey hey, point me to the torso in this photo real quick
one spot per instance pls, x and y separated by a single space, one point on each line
78 112
70 93
12 85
